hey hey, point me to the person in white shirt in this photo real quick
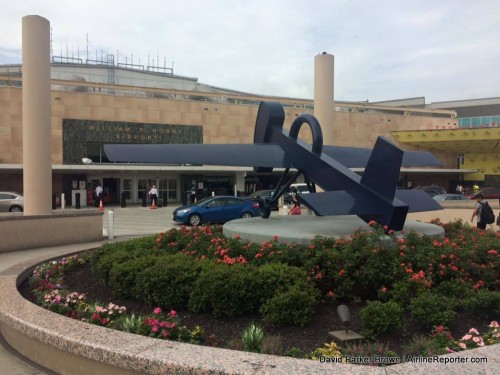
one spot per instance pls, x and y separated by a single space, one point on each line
153 194
98 195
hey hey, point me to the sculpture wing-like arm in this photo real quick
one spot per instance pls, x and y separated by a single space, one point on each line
247 155
351 202
355 157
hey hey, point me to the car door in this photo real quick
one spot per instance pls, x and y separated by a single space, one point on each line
211 211
5 201
234 208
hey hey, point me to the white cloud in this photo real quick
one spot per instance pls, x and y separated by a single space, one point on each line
383 50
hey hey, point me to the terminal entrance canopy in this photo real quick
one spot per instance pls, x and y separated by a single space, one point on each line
372 196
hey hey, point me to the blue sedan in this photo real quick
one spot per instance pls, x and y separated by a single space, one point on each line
216 210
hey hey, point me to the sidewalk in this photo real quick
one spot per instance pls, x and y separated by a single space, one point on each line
138 221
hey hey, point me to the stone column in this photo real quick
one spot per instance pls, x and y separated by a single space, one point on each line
240 181
323 95
37 132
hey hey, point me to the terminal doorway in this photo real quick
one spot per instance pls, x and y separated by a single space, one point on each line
111 189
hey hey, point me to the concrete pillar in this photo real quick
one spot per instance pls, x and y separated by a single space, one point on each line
37 132
323 94
240 181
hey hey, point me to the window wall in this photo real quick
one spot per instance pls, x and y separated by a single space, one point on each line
479 122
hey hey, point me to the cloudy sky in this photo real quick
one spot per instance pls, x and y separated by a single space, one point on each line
384 49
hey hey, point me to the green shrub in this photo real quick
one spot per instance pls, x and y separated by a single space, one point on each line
103 259
132 324
225 290
483 302
405 290
380 317
123 275
330 350
294 306
454 289
253 338
168 281
293 352
275 278
429 310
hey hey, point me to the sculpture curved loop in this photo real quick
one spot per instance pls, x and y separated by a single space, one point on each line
317 134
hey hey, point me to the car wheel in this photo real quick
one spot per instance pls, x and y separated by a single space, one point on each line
194 219
246 215
16 209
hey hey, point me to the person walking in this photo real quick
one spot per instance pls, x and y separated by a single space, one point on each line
193 194
98 195
295 200
478 207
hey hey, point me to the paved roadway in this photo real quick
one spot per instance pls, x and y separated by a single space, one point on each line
137 221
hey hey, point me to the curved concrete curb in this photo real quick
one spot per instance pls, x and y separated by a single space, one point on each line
69 346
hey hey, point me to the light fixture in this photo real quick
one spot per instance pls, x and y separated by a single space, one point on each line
344 315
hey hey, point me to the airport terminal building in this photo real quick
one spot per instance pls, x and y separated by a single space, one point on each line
98 102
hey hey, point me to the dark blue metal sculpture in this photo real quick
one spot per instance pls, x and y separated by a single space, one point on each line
372 196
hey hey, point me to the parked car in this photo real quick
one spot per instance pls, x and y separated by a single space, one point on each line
432 190
488 193
261 194
216 210
450 197
11 202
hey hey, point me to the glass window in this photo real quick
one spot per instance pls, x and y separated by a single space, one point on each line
127 188
464 122
95 152
142 188
486 120
475 122
172 189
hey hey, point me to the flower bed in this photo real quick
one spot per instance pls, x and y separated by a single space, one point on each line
401 282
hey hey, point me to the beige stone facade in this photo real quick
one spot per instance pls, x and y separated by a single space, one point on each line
222 122
224 119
